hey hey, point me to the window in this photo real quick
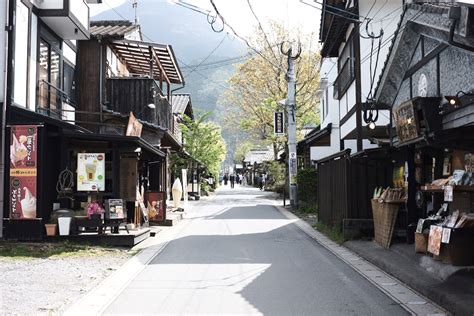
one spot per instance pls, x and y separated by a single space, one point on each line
345 66
49 74
21 54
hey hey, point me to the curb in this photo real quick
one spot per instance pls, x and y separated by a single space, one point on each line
434 293
407 298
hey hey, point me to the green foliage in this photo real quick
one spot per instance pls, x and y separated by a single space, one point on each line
308 209
46 250
334 233
276 176
307 186
242 150
259 84
204 142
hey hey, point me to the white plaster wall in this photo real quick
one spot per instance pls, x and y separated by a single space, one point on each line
319 152
385 15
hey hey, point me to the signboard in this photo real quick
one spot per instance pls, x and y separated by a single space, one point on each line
115 209
134 127
405 122
91 172
23 168
184 175
279 123
156 205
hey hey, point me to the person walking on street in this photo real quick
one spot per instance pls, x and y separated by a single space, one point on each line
226 179
232 181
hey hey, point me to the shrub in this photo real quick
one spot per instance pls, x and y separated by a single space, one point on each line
307 186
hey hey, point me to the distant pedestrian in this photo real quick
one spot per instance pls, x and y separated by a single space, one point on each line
240 179
232 181
225 179
262 182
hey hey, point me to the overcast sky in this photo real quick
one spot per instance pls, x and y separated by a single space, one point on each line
237 13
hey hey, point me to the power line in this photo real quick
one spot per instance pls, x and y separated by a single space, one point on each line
244 39
208 55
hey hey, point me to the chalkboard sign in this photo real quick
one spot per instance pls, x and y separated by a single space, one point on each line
406 122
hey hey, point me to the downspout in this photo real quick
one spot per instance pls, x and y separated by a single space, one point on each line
101 79
179 88
454 16
6 101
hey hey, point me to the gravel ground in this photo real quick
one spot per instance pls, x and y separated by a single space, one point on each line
37 286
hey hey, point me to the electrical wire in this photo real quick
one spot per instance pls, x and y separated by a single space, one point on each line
208 55
224 22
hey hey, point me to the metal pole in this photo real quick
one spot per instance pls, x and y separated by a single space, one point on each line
4 115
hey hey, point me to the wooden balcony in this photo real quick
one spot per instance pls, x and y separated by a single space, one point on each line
133 94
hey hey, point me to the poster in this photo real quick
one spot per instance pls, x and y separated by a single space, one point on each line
91 172
279 123
434 239
115 209
156 205
23 168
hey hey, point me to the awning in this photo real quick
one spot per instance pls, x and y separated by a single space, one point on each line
317 137
137 56
122 140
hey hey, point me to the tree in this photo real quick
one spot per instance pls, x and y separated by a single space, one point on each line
259 83
203 141
241 151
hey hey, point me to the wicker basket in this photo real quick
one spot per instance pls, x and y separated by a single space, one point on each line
385 215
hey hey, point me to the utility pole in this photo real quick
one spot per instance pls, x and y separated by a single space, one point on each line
291 110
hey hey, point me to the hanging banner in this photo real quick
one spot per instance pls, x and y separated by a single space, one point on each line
279 123
23 171
184 175
91 172
134 127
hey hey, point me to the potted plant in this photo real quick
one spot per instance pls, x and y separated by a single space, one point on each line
51 227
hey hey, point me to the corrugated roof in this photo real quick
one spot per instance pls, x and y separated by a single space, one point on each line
180 103
137 55
112 28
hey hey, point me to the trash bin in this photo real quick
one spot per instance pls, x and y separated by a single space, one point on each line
64 217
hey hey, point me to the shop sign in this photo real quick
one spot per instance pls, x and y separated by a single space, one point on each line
23 170
114 209
134 127
279 123
405 122
91 172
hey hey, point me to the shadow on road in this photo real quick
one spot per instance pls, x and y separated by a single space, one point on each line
269 263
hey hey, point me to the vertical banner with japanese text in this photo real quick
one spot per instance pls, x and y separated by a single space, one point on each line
23 171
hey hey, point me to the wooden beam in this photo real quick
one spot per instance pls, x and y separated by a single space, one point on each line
158 62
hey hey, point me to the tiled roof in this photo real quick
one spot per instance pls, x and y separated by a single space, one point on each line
112 28
180 103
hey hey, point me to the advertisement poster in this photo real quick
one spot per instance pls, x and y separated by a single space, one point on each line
115 209
23 167
156 205
91 172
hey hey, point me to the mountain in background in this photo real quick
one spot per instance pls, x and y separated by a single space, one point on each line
193 40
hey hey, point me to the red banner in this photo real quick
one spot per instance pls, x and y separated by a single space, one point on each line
23 168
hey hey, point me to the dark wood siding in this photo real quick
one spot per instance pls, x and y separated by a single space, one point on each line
134 94
346 185
88 82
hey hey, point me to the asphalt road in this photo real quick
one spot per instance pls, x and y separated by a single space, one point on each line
239 254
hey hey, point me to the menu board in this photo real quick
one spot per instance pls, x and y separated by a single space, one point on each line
405 122
91 172
115 209
23 169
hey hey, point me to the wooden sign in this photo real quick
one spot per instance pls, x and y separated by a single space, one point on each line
406 122
134 127
279 123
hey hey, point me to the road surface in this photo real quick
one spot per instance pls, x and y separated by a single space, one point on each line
239 254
